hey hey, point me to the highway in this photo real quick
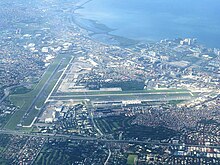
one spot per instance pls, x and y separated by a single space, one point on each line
81 138
109 155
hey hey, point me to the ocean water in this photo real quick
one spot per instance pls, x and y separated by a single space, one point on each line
153 20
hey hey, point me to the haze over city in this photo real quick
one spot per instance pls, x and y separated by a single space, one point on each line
106 82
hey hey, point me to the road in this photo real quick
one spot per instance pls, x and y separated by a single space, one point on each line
109 155
58 136
91 117
90 111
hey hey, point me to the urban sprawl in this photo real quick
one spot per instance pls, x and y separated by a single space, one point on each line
72 93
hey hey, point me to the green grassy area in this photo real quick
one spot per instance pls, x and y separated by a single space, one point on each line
131 159
4 140
20 90
4 120
196 94
113 124
175 102
116 124
49 156
41 101
3 161
65 153
25 100
143 132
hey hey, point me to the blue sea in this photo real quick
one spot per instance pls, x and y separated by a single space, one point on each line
153 20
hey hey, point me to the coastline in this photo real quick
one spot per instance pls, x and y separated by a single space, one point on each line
99 31
192 28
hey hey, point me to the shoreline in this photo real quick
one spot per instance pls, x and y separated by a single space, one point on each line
201 40
100 31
